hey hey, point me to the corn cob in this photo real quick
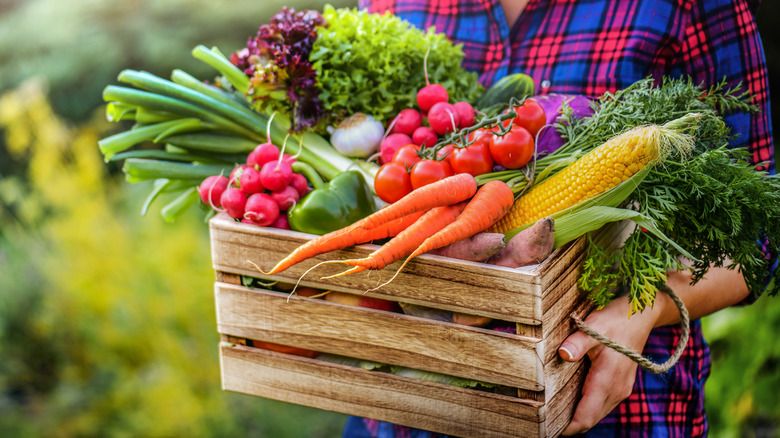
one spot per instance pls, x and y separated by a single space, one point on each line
599 170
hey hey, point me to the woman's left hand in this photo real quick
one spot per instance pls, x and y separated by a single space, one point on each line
611 376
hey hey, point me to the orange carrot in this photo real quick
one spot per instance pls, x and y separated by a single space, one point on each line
447 191
339 240
489 205
407 240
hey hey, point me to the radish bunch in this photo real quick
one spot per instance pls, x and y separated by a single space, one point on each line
433 118
259 192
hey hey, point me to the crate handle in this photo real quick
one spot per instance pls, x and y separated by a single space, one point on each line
633 355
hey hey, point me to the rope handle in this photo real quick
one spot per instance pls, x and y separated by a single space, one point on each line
643 362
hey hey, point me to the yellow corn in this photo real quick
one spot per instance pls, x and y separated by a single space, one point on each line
596 172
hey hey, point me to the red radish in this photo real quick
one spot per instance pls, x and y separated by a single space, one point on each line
286 197
443 118
261 209
424 136
283 223
235 174
233 201
276 175
249 181
262 154
466 114
390 146
300 184
430 94
211 190
406 122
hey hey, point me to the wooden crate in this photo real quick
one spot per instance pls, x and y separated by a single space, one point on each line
539 299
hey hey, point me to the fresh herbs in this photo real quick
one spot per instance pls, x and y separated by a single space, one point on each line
713 203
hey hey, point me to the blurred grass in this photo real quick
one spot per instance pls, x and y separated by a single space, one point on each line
107 322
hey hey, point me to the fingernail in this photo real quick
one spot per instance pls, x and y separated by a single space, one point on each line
568 356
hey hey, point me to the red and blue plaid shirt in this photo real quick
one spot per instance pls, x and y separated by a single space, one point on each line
589 47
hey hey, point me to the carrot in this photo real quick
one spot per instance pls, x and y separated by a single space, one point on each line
447 191
339 240
488 206
407 240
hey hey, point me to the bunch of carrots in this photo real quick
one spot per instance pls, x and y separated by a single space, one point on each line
430 217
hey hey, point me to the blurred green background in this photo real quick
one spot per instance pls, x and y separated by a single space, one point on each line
107 321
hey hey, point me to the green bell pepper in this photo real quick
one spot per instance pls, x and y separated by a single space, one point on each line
331 206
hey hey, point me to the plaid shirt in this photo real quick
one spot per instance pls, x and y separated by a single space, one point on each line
589 47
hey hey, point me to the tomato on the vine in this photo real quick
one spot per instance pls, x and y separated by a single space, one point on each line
514 149
429 171
407 155
474 158
530 115
392 182
445 153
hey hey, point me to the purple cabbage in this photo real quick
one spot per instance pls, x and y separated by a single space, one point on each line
549 139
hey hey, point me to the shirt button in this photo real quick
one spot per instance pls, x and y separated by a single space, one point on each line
545 84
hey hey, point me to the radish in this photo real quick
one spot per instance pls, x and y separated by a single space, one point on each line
286 197
249 181
390 146
262 154
235 174
406 121
261 209
283 223
233 201
300 184
443 118
211 190
430 94
276 175
466 114
424 136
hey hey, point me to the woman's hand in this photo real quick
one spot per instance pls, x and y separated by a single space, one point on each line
611 375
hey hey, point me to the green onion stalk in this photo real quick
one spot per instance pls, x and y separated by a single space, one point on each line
204 129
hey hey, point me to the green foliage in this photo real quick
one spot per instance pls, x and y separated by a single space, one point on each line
394 49
80 46
107 319
742 398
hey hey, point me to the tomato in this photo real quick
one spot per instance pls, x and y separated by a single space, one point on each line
530 115
407 155
392 182
481 136
428 171
474 158
514 149
445 153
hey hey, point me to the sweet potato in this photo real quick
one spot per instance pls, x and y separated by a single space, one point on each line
476 248
528 247
470 320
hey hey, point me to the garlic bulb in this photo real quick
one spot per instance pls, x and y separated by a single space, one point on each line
358 136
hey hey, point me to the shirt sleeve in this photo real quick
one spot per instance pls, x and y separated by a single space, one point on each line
721 42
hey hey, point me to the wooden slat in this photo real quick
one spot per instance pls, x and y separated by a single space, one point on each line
559 408
429 280
400 400
386 337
